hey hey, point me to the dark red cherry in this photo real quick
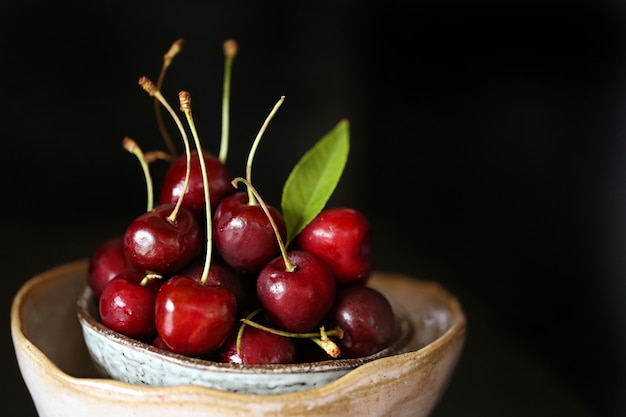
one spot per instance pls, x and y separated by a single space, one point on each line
220 273
342 238
194 319
219 183
258 347
127 307
296 301
153 243
105 262
243 234
367 319
158 342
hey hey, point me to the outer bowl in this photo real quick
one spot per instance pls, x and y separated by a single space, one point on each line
63 381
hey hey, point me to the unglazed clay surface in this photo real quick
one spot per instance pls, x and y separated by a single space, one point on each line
60 375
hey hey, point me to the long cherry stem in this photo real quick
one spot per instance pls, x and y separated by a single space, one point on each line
230 51
151 89
251 198
289 267
131 146
185 106
167 60
321 338
337 331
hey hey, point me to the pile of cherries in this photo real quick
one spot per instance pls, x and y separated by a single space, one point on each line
211 278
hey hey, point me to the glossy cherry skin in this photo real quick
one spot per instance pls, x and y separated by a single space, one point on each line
127 307
105 262
152 243
366 317
220 273
258 347
342 237
243 234
194 319
296 301
158 342
219 183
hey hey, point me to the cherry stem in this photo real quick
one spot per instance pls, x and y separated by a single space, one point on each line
167 60
243 325
149 276
251 200
327 344
289 267
131 146
321 338
157 155
230 51
151 89
337 331
185 106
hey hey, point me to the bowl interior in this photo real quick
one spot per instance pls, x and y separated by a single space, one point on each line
44 314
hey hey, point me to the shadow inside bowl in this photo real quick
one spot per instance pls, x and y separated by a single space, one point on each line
48 320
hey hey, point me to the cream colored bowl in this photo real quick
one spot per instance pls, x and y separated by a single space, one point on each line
62 380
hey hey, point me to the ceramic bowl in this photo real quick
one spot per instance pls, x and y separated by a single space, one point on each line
125 359
61 377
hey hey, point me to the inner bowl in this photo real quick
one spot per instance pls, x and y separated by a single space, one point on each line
126 359
62 380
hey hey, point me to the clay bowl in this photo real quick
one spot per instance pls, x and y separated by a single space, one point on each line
64 379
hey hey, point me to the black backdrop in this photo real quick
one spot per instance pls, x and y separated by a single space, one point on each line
486 150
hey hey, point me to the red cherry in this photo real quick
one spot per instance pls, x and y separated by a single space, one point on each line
342 238
194 319
107 261
127 307
243 234
219 183
153 243
296 301
366 317
158 342
220 273
258 347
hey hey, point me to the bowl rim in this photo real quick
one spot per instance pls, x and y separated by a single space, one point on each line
453 336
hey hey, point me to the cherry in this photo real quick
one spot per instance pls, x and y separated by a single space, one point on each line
298 297
158 342
257 347
243 234
127 305
174 181
105 262
342 237
155 242
194 319
219 273
295 289
366 317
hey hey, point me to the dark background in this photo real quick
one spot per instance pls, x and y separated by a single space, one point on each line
487 151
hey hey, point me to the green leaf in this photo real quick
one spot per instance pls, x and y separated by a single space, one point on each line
314 178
